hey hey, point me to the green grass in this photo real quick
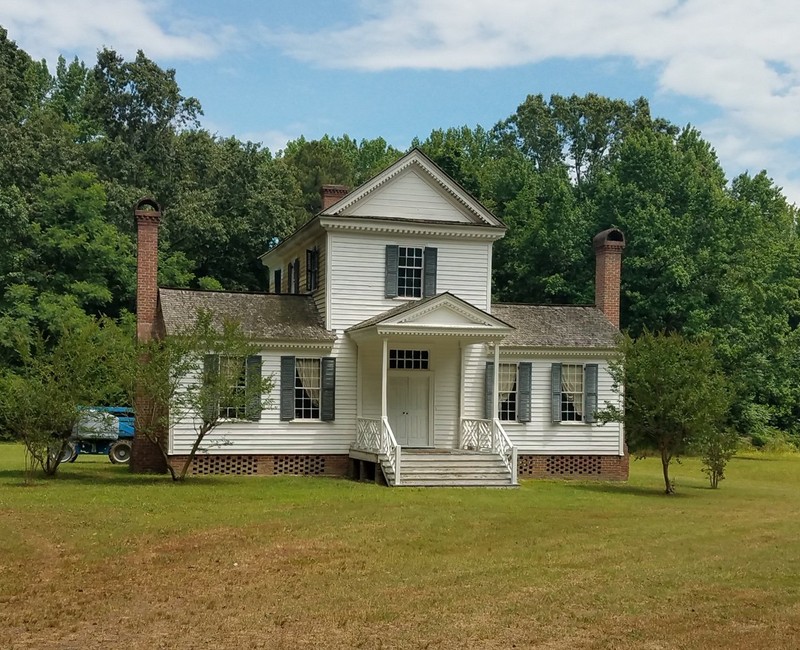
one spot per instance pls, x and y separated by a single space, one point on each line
99 558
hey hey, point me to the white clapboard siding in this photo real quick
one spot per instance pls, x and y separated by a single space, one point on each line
543 436
410 195
271 435
358 267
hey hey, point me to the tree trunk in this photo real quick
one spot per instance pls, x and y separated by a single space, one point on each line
665 460
204 429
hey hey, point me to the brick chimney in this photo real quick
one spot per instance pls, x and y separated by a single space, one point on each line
608 247
145 455
332 194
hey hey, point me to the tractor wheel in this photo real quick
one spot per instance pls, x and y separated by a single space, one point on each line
70 452
120 452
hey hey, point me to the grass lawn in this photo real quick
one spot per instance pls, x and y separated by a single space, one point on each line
98 558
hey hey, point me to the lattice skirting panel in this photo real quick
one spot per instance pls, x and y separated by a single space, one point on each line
267 465
605 468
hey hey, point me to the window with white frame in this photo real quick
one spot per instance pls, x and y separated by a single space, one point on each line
571 393
507 376
408 359
307 389
233 373
409 272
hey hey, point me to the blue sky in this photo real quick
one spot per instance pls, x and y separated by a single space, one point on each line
270 71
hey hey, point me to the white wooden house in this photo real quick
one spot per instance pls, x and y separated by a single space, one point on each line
389 358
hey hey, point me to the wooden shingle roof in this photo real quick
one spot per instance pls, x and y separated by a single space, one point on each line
283 317
556 326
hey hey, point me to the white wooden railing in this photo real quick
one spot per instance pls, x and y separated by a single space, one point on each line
489 435
376 435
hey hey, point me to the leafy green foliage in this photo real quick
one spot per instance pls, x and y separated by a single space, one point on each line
676 397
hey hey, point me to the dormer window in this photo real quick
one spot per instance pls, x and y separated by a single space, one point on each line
410 271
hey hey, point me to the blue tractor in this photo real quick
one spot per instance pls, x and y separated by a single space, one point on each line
102 430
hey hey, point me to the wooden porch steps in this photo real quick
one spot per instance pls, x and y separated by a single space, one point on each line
449 468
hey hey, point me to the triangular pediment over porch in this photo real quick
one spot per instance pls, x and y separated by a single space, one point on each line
442 315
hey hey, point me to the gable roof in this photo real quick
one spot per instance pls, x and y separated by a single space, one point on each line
556 326
263 316
416 163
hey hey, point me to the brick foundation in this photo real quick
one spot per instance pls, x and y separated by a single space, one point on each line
602 468
267 465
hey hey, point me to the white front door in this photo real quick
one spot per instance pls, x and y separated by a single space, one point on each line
409 397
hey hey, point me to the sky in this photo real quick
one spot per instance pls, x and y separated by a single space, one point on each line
272 70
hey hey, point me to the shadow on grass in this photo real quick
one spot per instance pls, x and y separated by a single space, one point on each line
16 477
635 490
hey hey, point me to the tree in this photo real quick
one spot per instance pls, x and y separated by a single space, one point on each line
40 403
716 447
206 375
676 397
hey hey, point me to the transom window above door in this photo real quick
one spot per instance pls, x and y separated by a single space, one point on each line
408 359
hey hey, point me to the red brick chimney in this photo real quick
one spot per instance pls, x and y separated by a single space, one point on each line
608 247
145 455
332 194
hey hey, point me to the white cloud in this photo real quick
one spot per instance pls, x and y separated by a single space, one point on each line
740 56
47 28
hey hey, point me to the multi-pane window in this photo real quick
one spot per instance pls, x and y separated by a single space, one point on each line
307 389
233 377
571 393
507 375
409 272
312 269
408 359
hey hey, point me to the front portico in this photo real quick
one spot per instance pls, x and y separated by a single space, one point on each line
415 365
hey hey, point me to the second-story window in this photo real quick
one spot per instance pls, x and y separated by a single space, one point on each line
409 272
293 277
312 269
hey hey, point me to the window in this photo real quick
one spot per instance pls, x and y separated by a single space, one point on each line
574 392
508 391
408 359
293 277
233 380
312 269
236 385
308 388
571 393
410 271
514 391
277 280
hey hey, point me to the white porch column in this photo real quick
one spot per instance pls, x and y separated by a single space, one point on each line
384 375
496 392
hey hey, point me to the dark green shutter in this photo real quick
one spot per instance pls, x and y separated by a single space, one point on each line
252 407
287 388
296 287
211 380
590 386
524 391
488 387
277 280
555 389
430 258
392 260
328 406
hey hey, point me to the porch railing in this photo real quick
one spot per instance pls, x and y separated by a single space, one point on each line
376 435
489 435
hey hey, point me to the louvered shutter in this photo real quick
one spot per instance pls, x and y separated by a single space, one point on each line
328 406
429 262
590 386
488 387
252 407
287 388
555 389
277 280
524 371
211 387
392 260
